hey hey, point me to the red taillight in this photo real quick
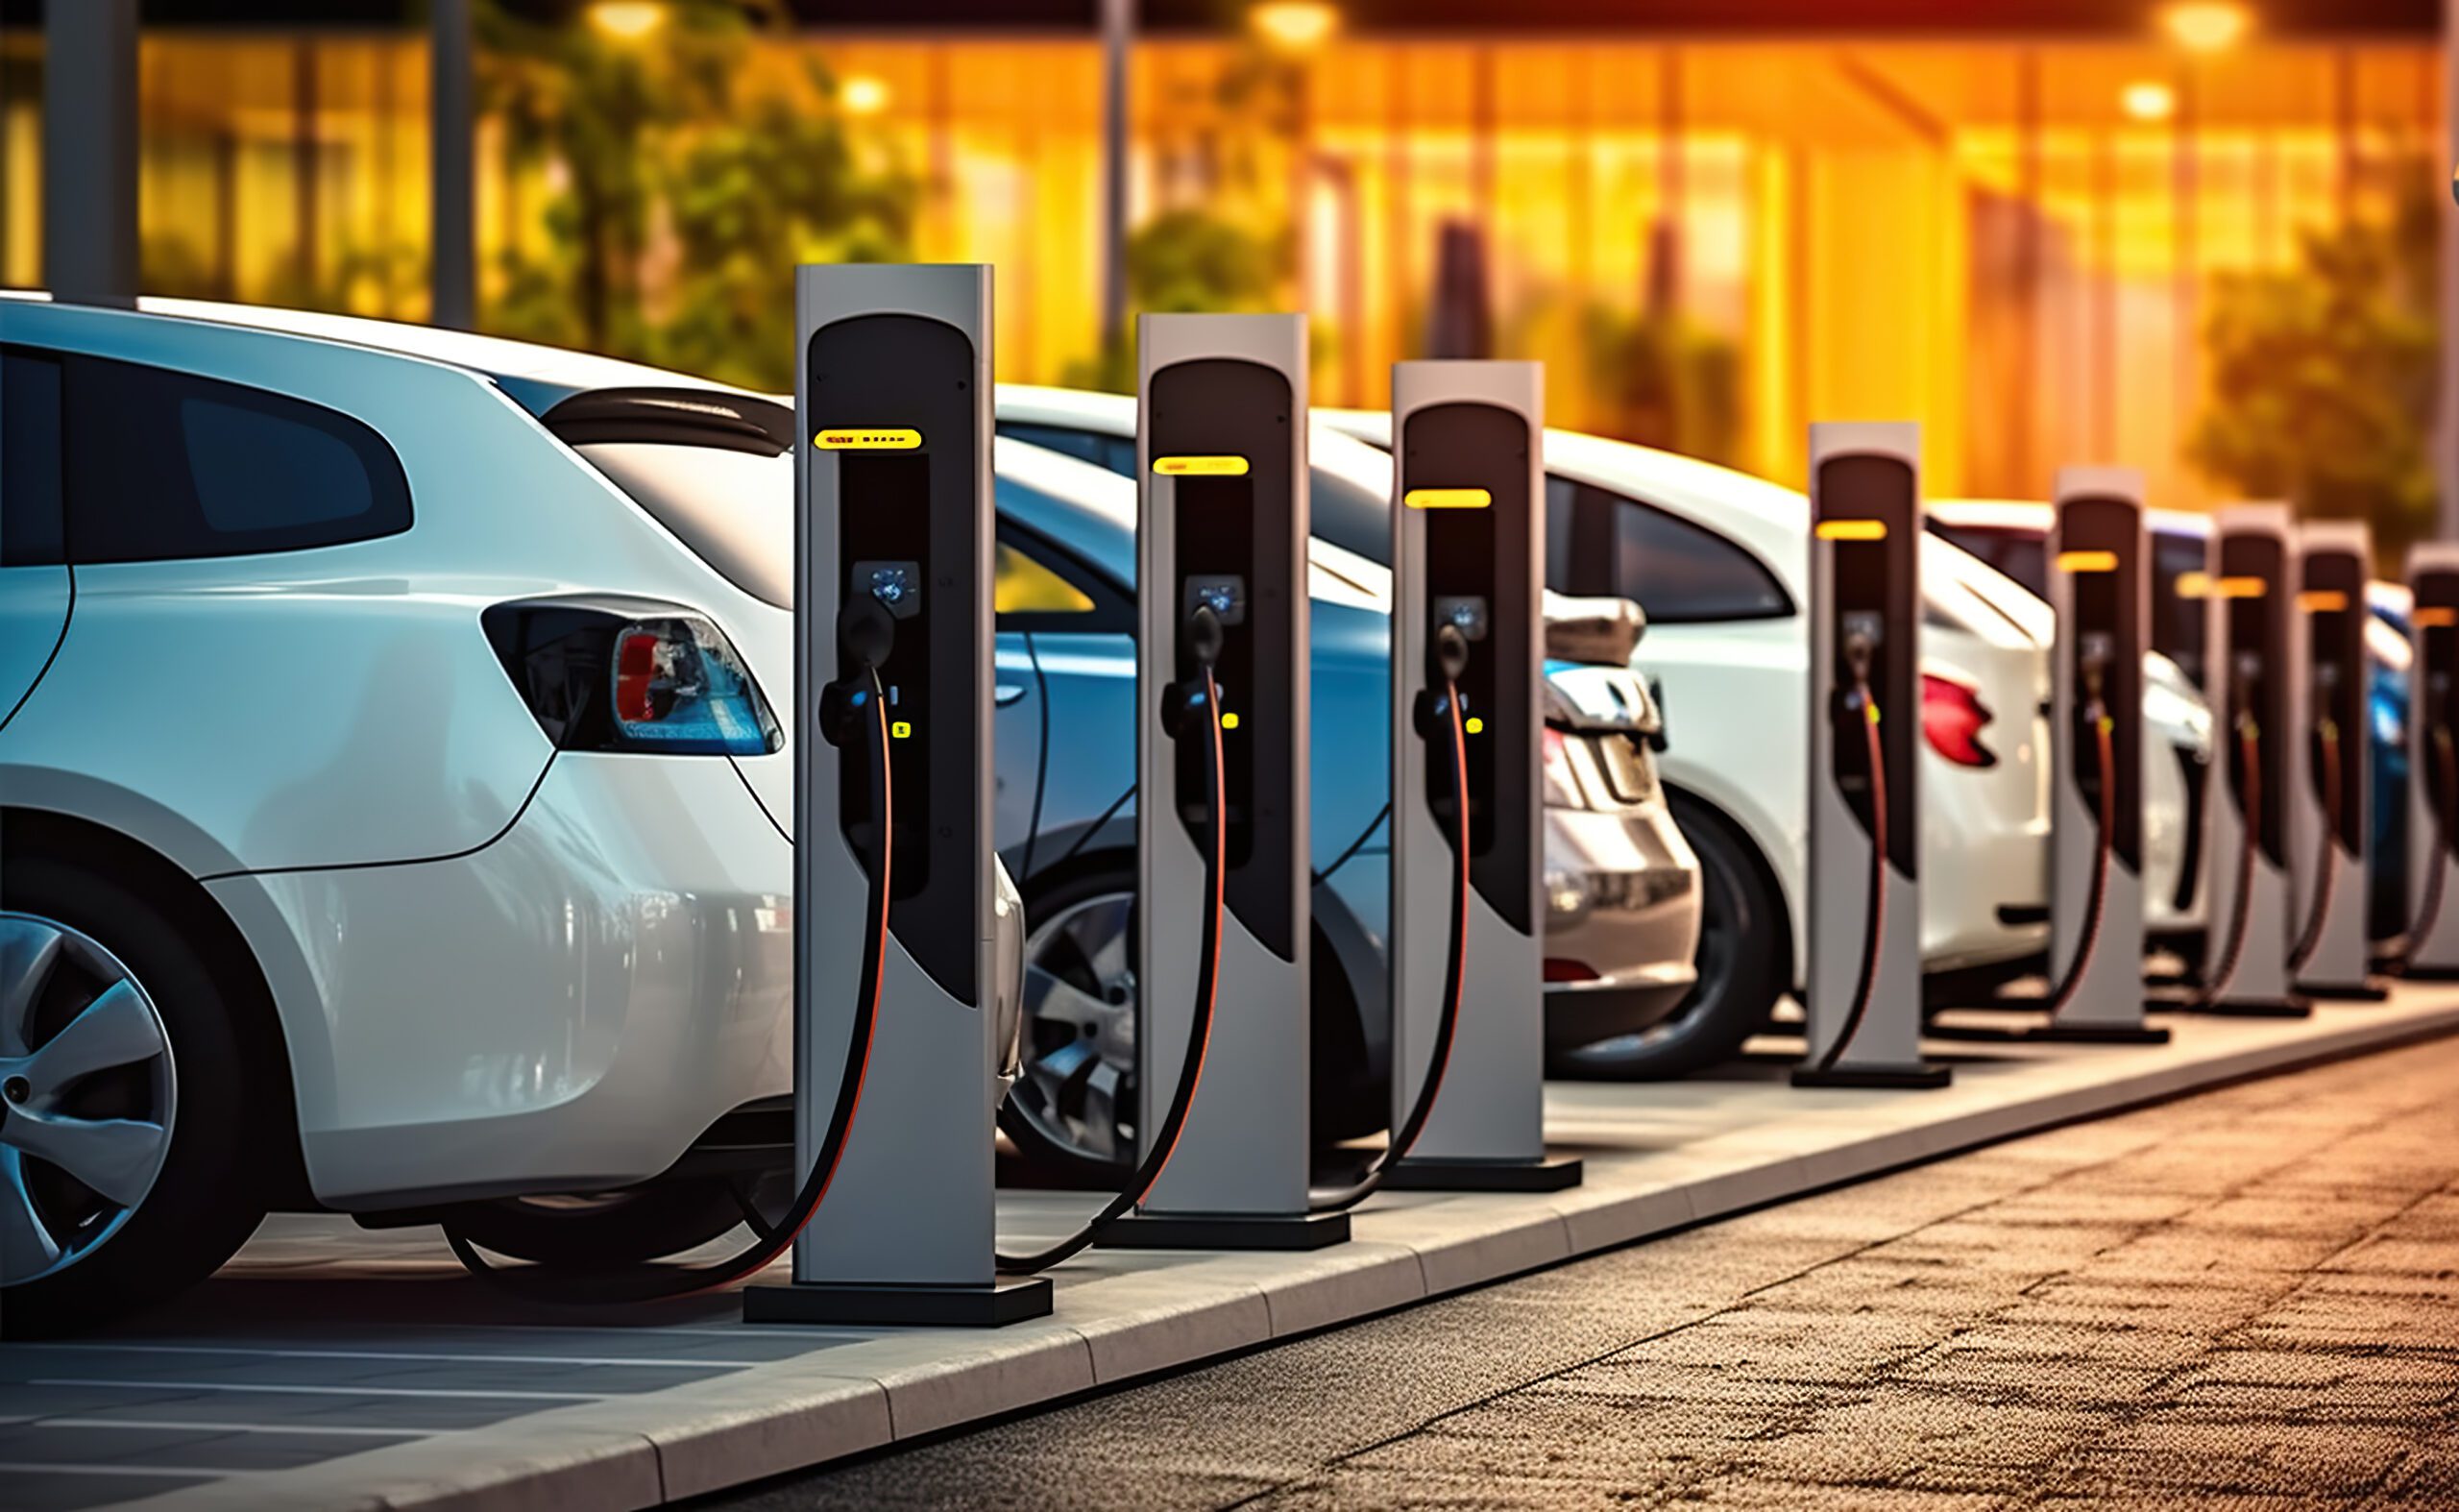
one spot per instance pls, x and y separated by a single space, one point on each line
1559 969
1953 718
635 669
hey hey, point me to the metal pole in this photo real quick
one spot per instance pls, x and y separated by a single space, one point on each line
89 152
1118 35
452 242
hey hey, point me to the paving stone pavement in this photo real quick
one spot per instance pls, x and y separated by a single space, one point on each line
2246 1298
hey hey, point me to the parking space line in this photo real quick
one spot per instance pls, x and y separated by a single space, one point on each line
408 1355
321 1391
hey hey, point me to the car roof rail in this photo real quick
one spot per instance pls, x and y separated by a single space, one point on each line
687 417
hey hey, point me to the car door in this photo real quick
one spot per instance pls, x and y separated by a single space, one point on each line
36 591
1065 692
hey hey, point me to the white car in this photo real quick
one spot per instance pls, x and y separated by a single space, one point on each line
393 813
1719 561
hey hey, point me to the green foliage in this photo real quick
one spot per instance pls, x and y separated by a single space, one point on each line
1186 261
1666 382
2323 377
658 136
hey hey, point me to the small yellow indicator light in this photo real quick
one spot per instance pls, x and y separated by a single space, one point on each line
869 440
2239 588
1852 529
2323 600
2437 619
1476 725
1200 466
2087 561
901 729
1230 721
2194 585
1448 499
1872 709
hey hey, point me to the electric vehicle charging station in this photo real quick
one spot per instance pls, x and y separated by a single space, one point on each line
1468 580
2253 671
1222 662
1864 997
892 698
2330 786
2433 949
2100 588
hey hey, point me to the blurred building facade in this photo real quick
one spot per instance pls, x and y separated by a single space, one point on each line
1709 238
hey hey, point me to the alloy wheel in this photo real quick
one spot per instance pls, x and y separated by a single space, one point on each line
1078 1085
87 1096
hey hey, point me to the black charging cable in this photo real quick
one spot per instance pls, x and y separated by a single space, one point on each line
2096 894
1451 659
863 632
1204 636
2251 811
2318 915
1857 653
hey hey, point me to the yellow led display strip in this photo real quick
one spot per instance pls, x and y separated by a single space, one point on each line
2322 600
851 439
1448 499
1200 466
2087 561
1852 529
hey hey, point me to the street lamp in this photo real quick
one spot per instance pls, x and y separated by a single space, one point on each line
2147 100
863 95
2206 26
627 20
1295 25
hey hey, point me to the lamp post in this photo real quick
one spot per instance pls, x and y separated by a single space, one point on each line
1118 35
452 234
89 152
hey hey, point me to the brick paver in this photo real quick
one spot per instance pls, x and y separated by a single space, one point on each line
2249 1297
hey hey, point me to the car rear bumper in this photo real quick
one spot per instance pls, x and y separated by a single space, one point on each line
1622 913
566 1007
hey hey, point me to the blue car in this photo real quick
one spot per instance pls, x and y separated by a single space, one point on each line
2013 538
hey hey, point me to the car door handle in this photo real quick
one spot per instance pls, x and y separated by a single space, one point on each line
1007 692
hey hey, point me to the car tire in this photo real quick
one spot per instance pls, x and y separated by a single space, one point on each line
1744 960
1076 1051
599 1230
72 935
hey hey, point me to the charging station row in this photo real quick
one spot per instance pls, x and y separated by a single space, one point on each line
896 872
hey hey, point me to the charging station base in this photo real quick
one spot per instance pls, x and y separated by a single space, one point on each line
1170 1230
1544 1174
2416 973
2373 990
2056 1033
1920 1076
2246 1007
1010 1300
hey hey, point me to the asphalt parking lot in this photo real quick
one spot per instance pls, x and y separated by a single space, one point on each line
2245 1299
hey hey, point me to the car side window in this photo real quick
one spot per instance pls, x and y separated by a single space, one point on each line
1036 585
1114 452
1021 585
33 523
162 465
1605 544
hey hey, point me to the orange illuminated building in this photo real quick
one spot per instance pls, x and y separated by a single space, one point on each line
2010 232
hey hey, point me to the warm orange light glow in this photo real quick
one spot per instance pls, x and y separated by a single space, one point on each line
2437 619
2206 26
2323 600
863 95
2147 100
627 20
1295 25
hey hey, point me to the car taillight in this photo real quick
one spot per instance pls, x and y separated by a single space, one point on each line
620 675
1953 718
1561 789
1560 969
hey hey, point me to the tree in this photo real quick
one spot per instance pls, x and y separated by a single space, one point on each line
1186 260
2323 377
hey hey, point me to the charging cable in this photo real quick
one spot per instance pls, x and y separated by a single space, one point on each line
1858 652
2096 896
2327 736
1451 656
864 631
2249 770
1203 643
